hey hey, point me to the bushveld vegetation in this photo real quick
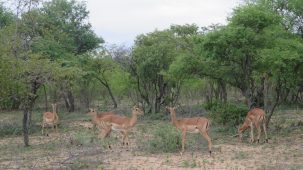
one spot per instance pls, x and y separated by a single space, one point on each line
50 54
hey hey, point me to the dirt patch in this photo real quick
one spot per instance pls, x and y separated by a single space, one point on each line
75 146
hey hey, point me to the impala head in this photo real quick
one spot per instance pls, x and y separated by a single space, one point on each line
54 106
137 110
241 129
170 109
91 112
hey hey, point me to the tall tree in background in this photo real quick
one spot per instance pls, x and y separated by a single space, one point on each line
152 55
64 34
251 51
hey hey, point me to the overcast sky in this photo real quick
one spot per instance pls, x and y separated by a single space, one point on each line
120 21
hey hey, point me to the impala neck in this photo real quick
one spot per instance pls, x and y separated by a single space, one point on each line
54 108
134 119
173 117
244 126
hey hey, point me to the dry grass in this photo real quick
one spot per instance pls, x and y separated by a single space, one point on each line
77 147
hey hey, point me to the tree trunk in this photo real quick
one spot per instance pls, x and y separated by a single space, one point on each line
69 101
249 97
159 95
259 98
111 96
223 92
270 114
45 97
106 85
27 110
26 125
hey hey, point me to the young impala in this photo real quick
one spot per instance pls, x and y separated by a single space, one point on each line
254 117
192 125
95 116
119 123
50 118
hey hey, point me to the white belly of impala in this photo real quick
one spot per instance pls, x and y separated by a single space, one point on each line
192 129
116 127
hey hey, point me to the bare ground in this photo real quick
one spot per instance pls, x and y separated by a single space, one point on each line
77 147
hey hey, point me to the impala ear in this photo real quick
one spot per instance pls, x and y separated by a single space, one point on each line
135 107
177 106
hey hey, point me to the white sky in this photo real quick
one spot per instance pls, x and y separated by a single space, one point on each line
120 21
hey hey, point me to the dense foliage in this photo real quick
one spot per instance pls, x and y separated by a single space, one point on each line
49 53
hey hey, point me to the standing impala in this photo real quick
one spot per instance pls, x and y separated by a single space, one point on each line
119 123
95 116
192 125
50 118
254 117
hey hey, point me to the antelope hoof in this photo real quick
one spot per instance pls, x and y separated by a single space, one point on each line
209 153
181 153
258 140
266 140
109 147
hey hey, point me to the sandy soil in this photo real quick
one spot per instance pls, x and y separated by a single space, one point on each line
63 151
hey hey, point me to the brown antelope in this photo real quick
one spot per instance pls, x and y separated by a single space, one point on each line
50 118
254 117
95 116
119 123
192 125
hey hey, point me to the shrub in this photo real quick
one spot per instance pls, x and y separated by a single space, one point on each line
156 116
165 138
15 129
226 113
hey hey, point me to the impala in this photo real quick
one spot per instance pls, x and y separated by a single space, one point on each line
50 118
254 117
95 116
192 125
119 123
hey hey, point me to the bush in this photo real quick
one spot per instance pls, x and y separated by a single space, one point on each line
15 129
82 138
226 113
156 116
165 138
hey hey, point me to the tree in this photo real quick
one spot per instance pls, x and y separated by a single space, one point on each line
241 55
65 34
151 57
103 68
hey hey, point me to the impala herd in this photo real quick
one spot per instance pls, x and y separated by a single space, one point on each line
110 121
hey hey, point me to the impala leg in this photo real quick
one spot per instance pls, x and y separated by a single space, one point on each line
123 138
53 127
251 132
265 132
206 136
42 127
259 132
56 128
94 128
183 141
127 139
106 132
